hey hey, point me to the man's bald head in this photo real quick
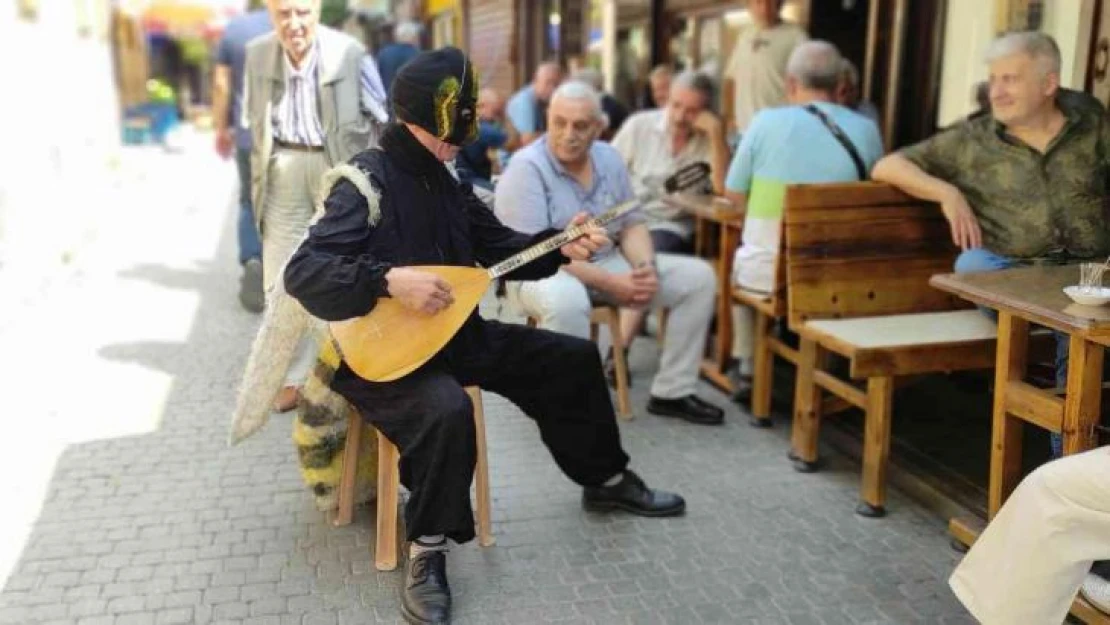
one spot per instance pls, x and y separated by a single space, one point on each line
491 104
547 77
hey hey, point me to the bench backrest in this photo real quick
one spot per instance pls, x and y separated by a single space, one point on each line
863 249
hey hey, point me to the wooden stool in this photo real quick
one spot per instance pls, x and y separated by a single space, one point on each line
389 481
611 316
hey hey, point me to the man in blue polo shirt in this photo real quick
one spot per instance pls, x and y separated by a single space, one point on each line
566 171
792 145
528 107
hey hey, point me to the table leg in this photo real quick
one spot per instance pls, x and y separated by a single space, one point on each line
1013 344
1084 395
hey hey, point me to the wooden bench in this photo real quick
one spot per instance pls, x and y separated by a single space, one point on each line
858 261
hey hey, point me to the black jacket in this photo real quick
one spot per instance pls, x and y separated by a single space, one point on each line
427 218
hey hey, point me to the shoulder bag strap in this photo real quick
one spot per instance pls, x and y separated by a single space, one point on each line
842 138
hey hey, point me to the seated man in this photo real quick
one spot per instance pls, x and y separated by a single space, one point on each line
567 171
793 144
527 108
848 94
395 209
1025 184
654 144
1028 563
494 132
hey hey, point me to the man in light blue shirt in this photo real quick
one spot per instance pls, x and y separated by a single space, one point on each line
791 145
567 171
527 109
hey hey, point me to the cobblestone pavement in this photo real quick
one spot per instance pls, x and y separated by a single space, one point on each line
131 509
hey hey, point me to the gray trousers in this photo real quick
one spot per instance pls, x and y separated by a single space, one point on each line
292 186
687 288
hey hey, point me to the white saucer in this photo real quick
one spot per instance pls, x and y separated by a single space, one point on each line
1090 296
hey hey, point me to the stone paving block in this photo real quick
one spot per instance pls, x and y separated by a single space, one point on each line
204 533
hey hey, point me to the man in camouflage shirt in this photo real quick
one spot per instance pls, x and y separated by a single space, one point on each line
1026 184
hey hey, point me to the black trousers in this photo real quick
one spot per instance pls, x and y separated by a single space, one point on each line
555 379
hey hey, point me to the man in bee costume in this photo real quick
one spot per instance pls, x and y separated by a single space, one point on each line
399 207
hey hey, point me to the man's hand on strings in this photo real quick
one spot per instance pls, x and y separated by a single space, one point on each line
584 246
419 290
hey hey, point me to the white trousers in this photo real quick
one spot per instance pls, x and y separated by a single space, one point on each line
292 185
686 287
1028 564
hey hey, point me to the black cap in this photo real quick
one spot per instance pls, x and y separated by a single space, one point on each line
438 91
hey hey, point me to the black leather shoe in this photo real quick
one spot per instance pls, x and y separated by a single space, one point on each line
691 408
632 495
425 596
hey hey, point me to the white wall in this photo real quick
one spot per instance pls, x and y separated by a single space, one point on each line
968 31
60 123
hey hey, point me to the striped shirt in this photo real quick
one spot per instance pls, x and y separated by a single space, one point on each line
296 118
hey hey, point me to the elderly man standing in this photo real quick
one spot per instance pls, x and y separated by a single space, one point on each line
1026 184
527 108
756 69
568 171
314 99
813 140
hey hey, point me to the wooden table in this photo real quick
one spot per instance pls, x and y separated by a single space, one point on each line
707 211
1024 296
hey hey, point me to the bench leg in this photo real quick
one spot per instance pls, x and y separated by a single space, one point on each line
385 550
876 446
763 372
346 501
481 470
807 409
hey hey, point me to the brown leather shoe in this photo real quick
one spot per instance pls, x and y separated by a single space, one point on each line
287 399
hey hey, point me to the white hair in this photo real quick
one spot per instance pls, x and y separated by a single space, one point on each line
1041 47
407 32
816 64
578 90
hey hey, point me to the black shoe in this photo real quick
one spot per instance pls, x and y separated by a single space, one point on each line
742 390
632 495
251 294
425 596
611 369
691 408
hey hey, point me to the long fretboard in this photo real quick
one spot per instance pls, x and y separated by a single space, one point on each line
559 240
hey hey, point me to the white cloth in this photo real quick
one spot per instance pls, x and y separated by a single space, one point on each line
687 287
1028 564
293 184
